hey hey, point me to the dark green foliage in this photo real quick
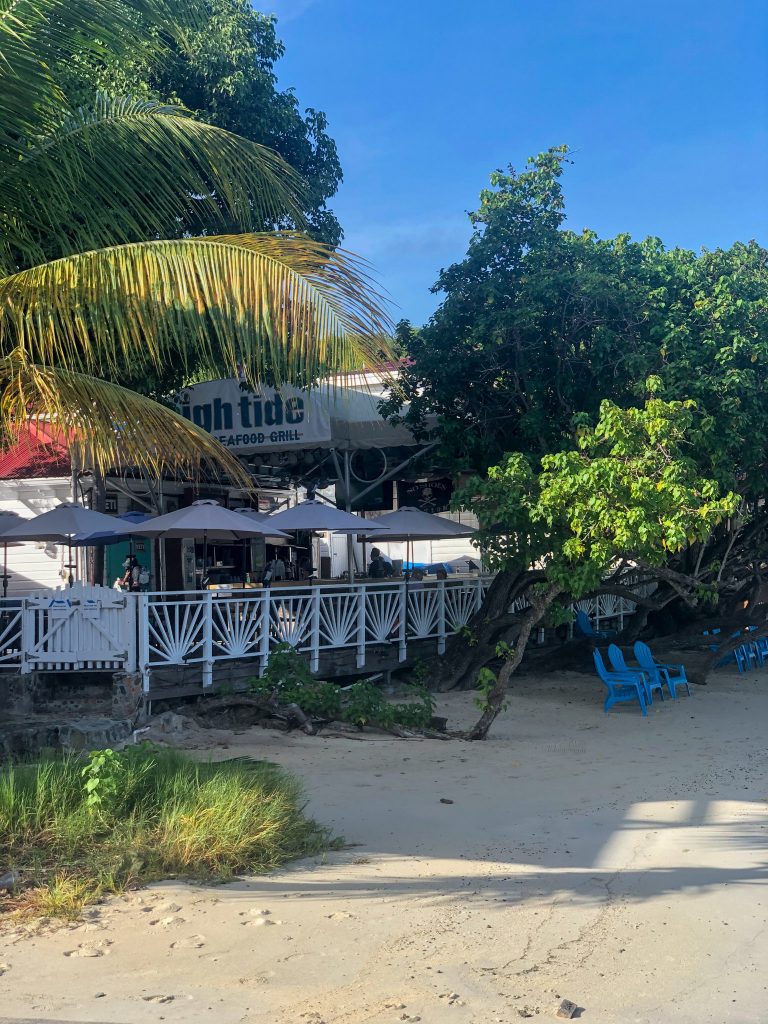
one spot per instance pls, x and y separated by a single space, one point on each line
288 680
539 324
223 69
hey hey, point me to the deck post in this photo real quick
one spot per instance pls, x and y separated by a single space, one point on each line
207 638
441 616
314 643
402 629
264 625
130 633
142 627
360 661
27 634
478 593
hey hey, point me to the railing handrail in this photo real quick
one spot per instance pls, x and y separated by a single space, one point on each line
105 628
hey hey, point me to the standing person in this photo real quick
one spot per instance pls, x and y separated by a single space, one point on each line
131 579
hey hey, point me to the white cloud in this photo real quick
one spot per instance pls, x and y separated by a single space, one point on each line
430 237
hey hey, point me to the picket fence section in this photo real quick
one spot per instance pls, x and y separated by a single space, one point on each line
88 628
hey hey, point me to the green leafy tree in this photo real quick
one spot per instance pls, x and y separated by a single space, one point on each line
539 324
627 493
91 279
224 71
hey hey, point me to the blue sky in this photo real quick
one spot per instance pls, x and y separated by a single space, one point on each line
664 104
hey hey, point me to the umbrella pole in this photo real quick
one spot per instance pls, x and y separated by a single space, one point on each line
205 560
351 557
5 569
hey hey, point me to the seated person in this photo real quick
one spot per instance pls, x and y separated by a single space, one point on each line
380 567
274 571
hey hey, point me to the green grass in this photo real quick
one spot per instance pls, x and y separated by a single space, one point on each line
156 814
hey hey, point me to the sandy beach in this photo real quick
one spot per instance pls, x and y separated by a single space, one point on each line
611 860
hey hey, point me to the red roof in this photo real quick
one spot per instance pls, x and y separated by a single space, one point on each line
36 453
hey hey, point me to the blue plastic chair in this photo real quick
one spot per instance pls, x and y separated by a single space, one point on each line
585 627
752 651
651 680
622 686
673 673
746 657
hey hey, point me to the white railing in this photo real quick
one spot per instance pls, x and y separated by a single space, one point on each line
69 629
97 628
208 627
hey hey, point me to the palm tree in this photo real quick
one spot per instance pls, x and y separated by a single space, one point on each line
92 288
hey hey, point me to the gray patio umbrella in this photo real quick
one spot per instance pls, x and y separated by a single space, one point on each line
207 519
413 524
316 515
252 513
410 524
7 520
62 524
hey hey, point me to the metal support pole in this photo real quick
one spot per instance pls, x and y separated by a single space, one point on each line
396 469
348 507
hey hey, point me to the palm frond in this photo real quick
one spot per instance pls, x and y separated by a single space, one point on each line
115 426
128 169
278 306
37 34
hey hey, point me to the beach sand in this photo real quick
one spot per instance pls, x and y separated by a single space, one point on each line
611 860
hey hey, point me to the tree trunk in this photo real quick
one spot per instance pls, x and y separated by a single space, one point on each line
495 703
636 624
464 657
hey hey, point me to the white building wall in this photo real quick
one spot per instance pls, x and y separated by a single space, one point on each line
33 565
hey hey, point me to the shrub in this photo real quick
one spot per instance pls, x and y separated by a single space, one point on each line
287 678
157 813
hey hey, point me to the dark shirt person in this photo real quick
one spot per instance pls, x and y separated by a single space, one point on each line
379 568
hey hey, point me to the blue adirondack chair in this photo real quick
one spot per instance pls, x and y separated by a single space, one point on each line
758 651
743 656
761 644
651 680
746 656
621 686
672 673
585 627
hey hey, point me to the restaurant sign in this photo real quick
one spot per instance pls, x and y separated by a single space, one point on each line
252 421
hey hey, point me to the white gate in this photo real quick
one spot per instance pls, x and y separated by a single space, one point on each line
79 627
